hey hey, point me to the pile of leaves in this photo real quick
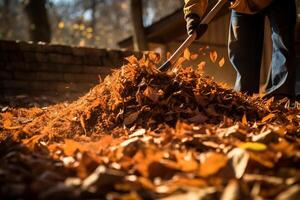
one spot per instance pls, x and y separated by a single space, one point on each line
145 134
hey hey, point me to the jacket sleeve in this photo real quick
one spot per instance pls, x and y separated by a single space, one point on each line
250 6
195 6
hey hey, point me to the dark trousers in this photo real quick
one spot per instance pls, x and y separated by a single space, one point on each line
246 37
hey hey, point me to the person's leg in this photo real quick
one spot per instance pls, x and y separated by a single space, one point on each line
282 16
245 47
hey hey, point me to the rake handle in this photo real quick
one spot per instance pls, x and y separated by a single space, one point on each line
191 38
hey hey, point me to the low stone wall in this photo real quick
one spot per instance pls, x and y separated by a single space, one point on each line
54 70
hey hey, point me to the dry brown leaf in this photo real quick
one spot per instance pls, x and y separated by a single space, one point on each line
198 119
152 94
131 118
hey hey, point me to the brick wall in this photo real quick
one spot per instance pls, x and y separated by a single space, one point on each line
54 70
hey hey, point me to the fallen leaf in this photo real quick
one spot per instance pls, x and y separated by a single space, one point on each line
267 159
152 94
268 117
211 163
186 162
213 56
198 119
82 123
138 133
239 161
201 65
102 177
194 56
154 57
180 61
244 119
129 141
131 118
266 137
131 59
231 191
162 169
187 54
253 146
222 62
192 193
292 193
71 146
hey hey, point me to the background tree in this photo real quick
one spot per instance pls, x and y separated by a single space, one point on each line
99 23
139 35
39 27
6 14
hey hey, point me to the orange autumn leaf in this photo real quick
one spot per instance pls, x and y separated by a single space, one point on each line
7 121
132 59
222 62
213 56
187 54
71 146
194 56
212 163
268 117
244 119
201 65
180 61
186 162
266 159
154 57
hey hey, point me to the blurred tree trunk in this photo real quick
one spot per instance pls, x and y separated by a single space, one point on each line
40 29
93 8
139 35
6 18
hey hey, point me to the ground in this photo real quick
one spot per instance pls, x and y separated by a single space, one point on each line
144 134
